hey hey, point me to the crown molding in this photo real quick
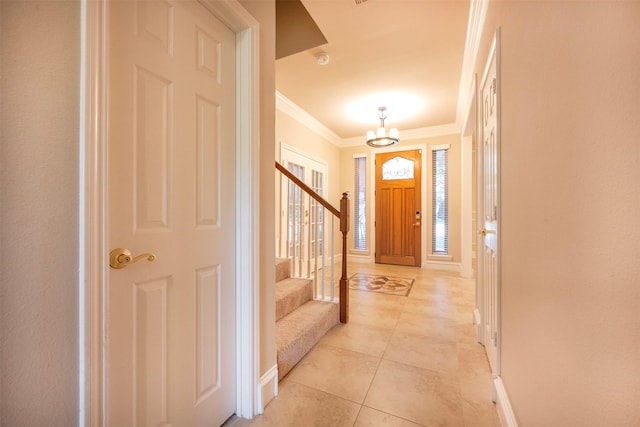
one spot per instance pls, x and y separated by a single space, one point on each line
475 25
289 108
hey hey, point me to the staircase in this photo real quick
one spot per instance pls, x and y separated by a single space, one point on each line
300 321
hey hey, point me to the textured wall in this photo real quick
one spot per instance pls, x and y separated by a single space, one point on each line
570 209
39 50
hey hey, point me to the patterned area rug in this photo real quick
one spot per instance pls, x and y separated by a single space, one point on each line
381 284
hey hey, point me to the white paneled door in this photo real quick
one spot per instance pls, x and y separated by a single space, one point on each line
171 316
490 208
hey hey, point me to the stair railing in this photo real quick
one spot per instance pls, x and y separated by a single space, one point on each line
297 244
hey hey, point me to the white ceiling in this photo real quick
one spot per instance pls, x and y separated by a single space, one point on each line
406 55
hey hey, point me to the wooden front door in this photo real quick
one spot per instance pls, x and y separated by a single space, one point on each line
398 208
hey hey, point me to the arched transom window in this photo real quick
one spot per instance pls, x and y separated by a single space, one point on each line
397 168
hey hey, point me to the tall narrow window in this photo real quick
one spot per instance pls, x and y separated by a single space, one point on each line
360 205
439 201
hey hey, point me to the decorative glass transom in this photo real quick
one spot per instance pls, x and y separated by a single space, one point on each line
397 168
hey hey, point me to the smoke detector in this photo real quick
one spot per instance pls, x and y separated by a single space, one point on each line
322 58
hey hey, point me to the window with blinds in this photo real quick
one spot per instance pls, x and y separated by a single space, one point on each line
439 201
360 205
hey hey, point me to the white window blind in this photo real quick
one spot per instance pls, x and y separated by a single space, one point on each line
360 205
439 201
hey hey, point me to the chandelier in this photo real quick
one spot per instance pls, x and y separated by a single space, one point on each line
380 137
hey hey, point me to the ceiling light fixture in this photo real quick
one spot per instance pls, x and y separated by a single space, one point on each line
380 137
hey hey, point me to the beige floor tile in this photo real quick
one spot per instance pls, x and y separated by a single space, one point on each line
430 307
400 362
464 315
334 370
359 338
419 395
473 363
477 392
379 318
427 326
365 300
423 292
423 352
466 333
369 417
298 405
480 415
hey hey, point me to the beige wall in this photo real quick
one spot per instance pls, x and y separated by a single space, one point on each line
347 177
40 62
294 134
570 208
265 12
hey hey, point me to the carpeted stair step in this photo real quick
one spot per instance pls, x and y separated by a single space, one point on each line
290 294
283 266
299 331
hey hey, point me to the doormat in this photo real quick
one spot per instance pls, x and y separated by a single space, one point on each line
381 284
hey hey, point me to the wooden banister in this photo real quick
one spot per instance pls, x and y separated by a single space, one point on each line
344 282
343 216
308 190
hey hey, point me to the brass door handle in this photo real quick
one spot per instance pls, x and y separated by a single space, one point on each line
484 232
121 257
417 224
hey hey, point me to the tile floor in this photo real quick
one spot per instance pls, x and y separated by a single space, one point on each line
400 361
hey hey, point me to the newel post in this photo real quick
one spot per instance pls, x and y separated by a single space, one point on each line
344 282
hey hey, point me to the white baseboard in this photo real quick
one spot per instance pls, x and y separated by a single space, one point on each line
366 259
505 413
441 265
268 388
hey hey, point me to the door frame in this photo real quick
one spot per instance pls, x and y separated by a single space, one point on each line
423 196
92 213
469 138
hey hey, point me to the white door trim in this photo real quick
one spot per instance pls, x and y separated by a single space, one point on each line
93 217
469 133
